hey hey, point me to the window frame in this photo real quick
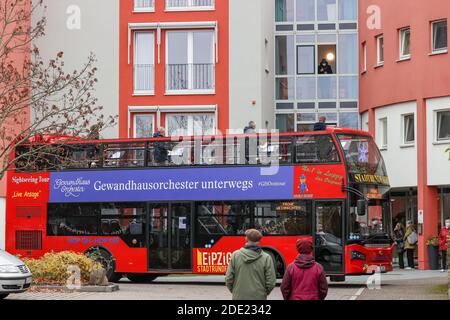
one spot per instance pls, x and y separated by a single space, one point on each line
437 139
313 46
405 128
190 115
380 49
135 115
168 8
135 54
402 39
364 57
143 9
190 61
433 50
384 133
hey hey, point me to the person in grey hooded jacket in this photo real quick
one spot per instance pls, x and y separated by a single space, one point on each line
251 272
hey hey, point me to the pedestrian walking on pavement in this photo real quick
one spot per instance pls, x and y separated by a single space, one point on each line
304 278
443 244
410 240
399 233
251 271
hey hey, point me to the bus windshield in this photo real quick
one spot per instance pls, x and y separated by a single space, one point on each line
374 224
362 155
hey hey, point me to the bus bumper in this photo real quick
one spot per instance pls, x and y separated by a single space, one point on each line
367 260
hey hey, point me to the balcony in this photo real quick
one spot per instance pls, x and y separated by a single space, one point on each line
190 78
189 5
144 79
144 5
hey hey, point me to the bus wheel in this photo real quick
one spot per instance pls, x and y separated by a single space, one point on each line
141 278
277 262
106 259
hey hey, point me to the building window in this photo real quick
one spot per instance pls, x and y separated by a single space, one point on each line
305 60
306 10
380 50
284 10
408 129
144 71
364 61
348 10
349 120
285 122
143 125
326 10
306 88
285 89
439 36
326 55
285 55
348 53
327 87
384 133
190 61
348 87
443 125
405 43
183 5
144 5
190 124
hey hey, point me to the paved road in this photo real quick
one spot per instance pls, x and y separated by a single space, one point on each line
396 285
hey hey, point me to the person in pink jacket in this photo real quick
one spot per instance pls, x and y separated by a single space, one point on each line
304 279
443 245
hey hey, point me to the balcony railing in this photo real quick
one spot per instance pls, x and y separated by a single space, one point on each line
194 4
144 78
181 77
144 5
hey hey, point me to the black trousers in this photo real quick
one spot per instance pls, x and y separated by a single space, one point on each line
410 257
401 261
444 259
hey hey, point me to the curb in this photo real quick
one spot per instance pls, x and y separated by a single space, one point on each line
109 288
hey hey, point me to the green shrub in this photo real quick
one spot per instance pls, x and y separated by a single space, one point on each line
53 268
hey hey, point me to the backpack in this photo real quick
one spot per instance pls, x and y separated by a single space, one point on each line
412 238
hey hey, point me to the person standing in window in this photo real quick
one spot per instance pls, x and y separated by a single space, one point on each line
325 68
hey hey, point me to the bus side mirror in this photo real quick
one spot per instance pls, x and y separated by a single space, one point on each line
361 206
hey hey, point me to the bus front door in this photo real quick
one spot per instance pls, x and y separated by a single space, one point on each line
328 236
169 242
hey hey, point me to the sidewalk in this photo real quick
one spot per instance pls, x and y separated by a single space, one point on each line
410 285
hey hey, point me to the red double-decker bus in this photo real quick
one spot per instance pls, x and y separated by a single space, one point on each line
154 207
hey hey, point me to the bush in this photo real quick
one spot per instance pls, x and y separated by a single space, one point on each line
54 268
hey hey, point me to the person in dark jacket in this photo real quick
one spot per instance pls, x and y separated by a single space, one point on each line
399 233
321 125
304 279
325 68
160 149
251 128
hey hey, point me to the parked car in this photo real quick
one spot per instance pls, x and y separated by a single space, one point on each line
15 277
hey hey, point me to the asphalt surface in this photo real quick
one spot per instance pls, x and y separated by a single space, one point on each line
397 285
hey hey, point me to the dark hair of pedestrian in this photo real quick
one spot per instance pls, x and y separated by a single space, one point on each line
253 235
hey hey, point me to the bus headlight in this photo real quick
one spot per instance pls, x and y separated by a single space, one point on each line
356 255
